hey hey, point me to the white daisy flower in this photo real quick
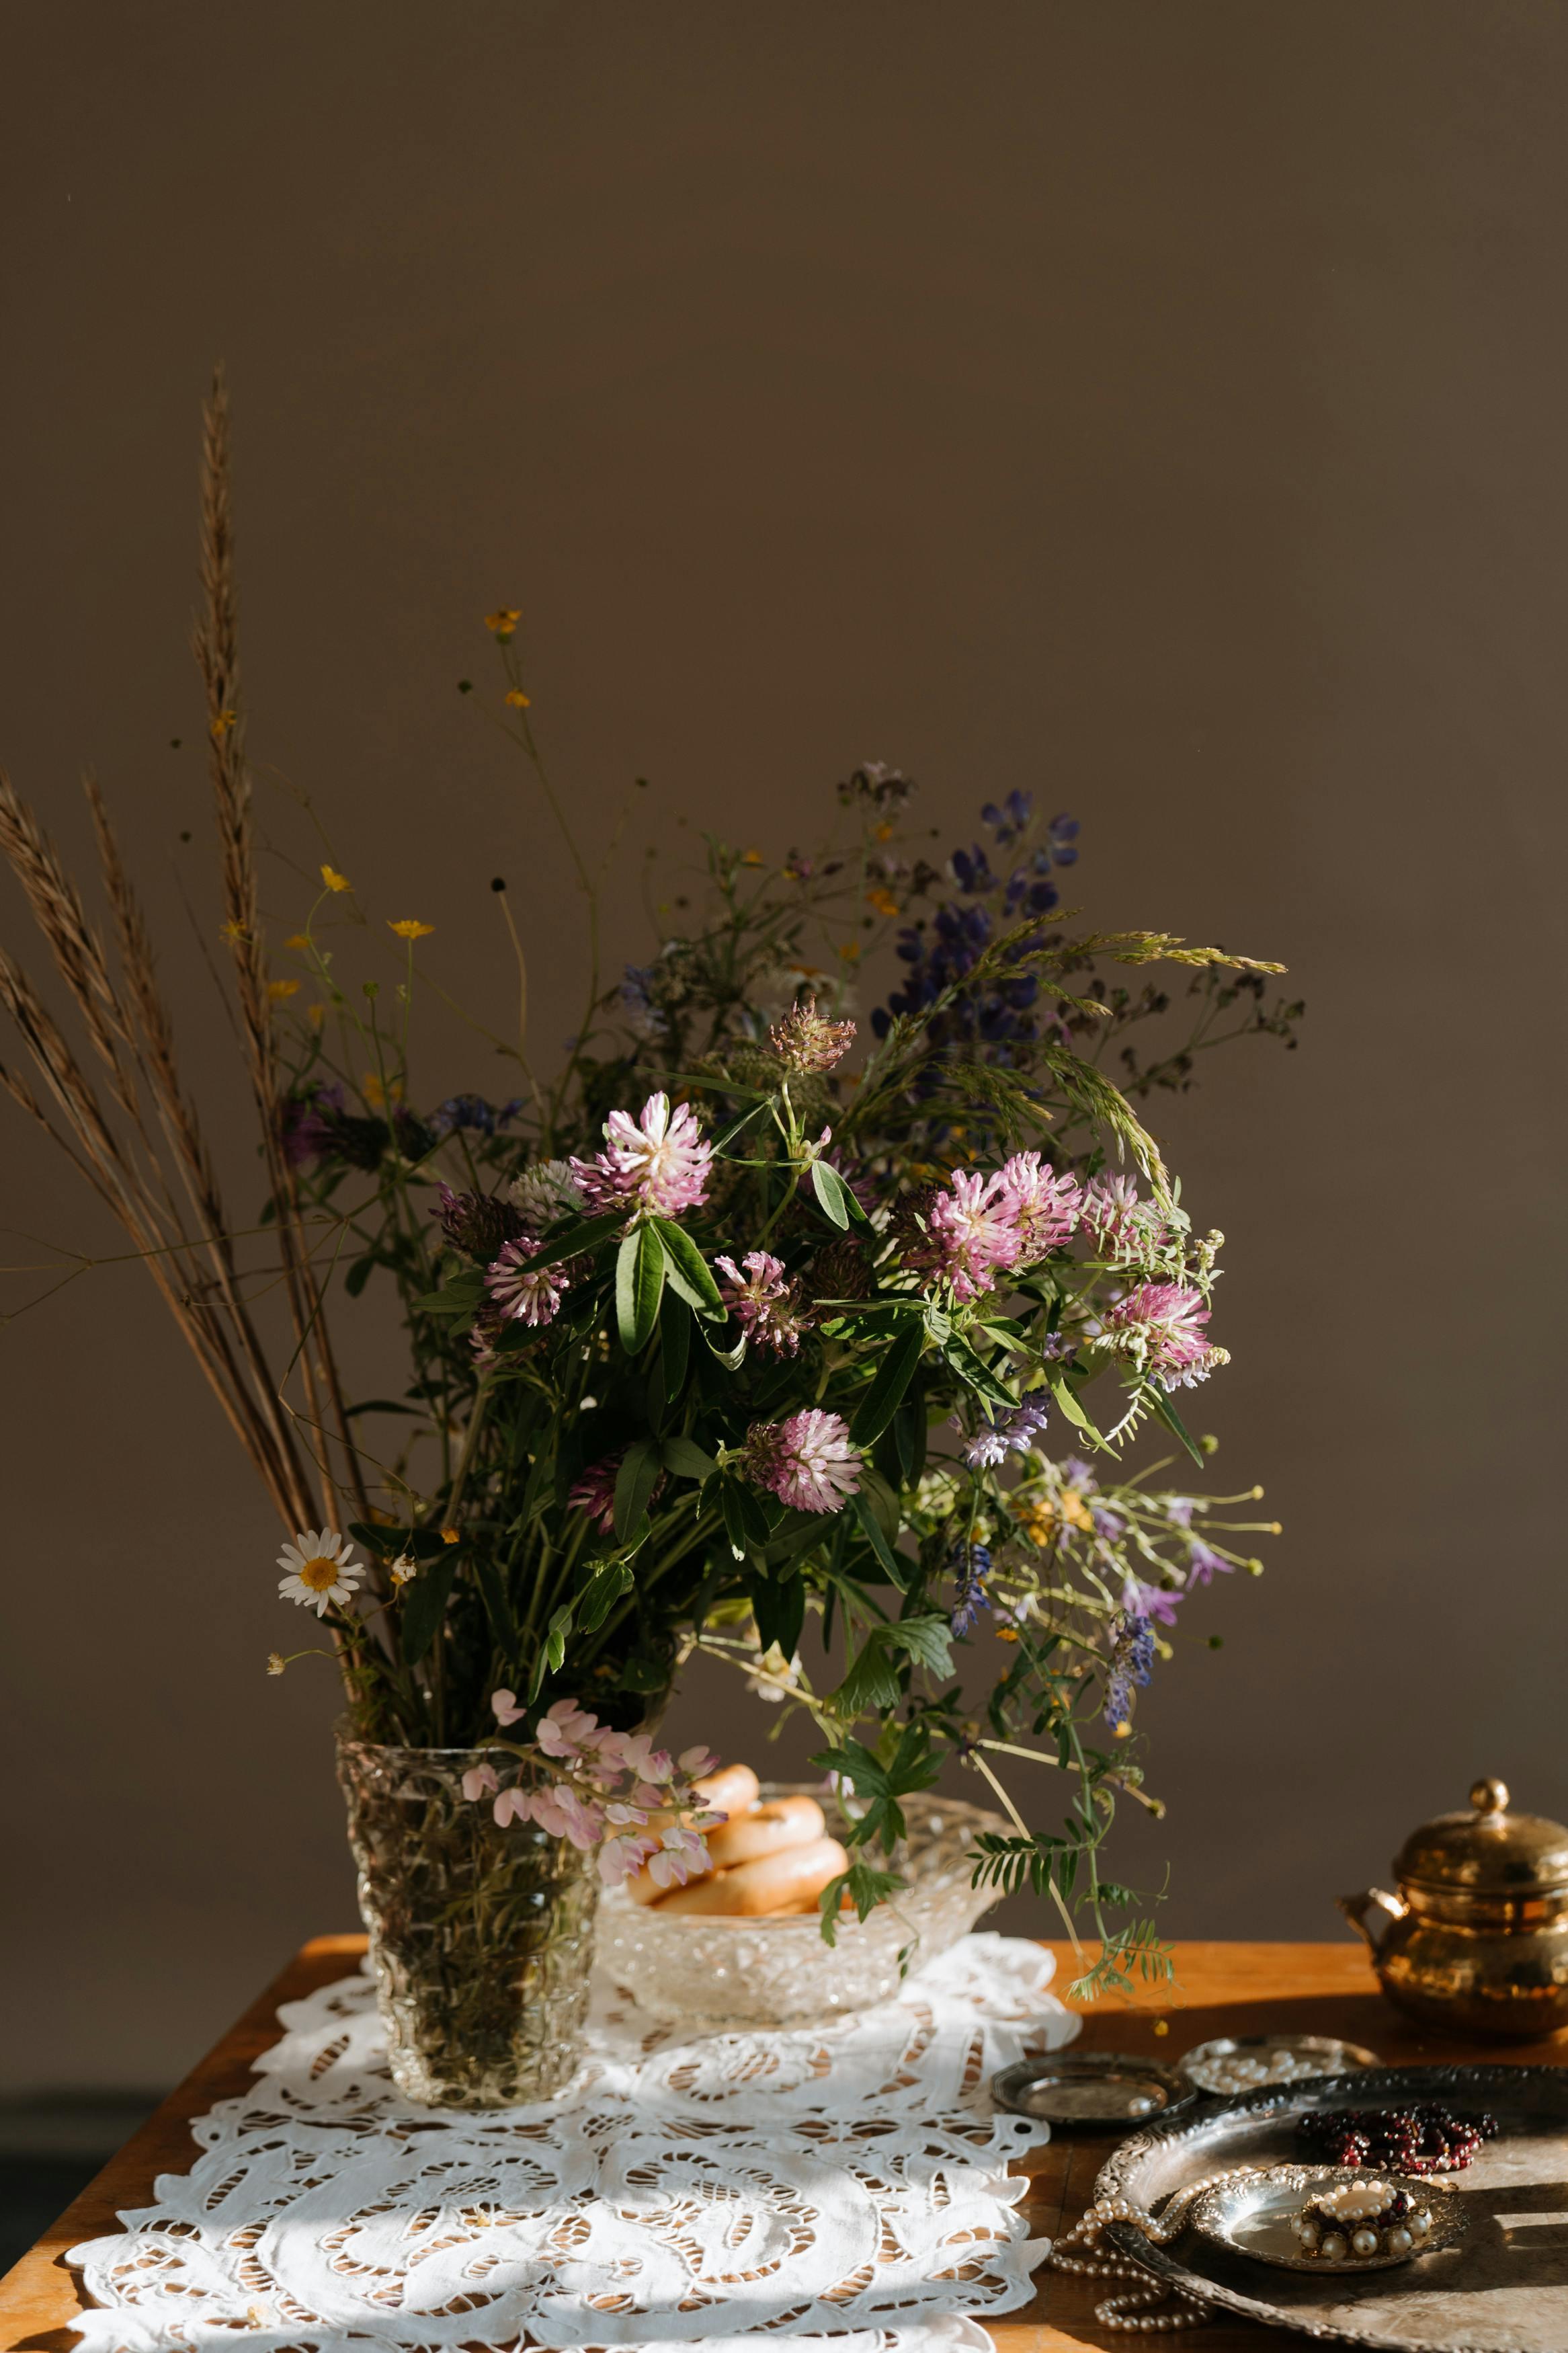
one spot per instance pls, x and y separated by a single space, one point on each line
320 1569
404 1568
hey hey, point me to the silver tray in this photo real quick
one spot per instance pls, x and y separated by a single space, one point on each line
1502 2288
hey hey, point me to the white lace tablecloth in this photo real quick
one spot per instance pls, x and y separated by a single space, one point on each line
843 2185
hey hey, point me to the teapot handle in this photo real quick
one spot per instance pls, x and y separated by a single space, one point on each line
1356 1908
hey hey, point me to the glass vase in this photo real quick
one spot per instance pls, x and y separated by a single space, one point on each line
480 1938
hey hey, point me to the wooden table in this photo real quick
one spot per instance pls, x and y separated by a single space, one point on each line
1224 1989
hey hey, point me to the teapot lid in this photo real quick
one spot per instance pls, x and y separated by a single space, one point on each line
1487 1849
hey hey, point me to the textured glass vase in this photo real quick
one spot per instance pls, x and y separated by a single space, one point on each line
480 1938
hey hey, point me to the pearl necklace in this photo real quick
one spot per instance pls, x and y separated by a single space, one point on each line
1139 2308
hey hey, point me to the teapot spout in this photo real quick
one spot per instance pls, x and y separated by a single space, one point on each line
1356 1908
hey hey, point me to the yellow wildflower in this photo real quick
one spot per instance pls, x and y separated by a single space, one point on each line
751 856
850 952
1036 1521
296 940
1162 2025
1076 1512
233 933
884 832
1006 1634
883 900
278 990
375 1094
1123 1732
222 722
503 620
451 1536
318 1014
334 881
518 701
409 928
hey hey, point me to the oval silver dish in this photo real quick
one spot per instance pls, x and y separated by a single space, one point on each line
1319 2054
1091 2091
1257 2217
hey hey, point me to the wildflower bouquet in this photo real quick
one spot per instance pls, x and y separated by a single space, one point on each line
717 1332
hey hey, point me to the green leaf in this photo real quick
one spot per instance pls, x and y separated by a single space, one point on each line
745 1521
728 1357
685 1458
926 1639
423 1608
579 1238
872 1682
972 1369
358 1274
881 1400
896 1566
675 1344
459 1297
634 1482
779 1610
639 1285
602 1590
1070 1406
834 1199
1173 1420
688 1270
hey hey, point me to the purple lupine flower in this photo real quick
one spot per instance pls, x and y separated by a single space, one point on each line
657 1162
1026 1425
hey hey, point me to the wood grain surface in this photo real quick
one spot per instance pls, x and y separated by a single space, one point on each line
1229 1989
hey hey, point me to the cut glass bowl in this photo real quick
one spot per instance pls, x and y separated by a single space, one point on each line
702 1968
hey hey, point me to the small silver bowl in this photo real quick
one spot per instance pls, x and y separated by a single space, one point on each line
1091 2091
1256 2215
1236 2064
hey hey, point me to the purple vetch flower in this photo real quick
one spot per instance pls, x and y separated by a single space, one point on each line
1148 1601
1044 1206
971 1566
1108 1525
657 1162
525 1294
807 1461
1203 1564
1026 1425
985 1448
1179 1510
1131 1663
594 1492
766 1302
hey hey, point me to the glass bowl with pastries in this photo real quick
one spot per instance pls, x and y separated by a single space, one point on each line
742 1944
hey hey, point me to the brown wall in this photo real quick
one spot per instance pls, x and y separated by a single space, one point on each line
1157 407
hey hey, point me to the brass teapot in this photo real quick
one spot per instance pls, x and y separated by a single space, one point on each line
1476 1942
